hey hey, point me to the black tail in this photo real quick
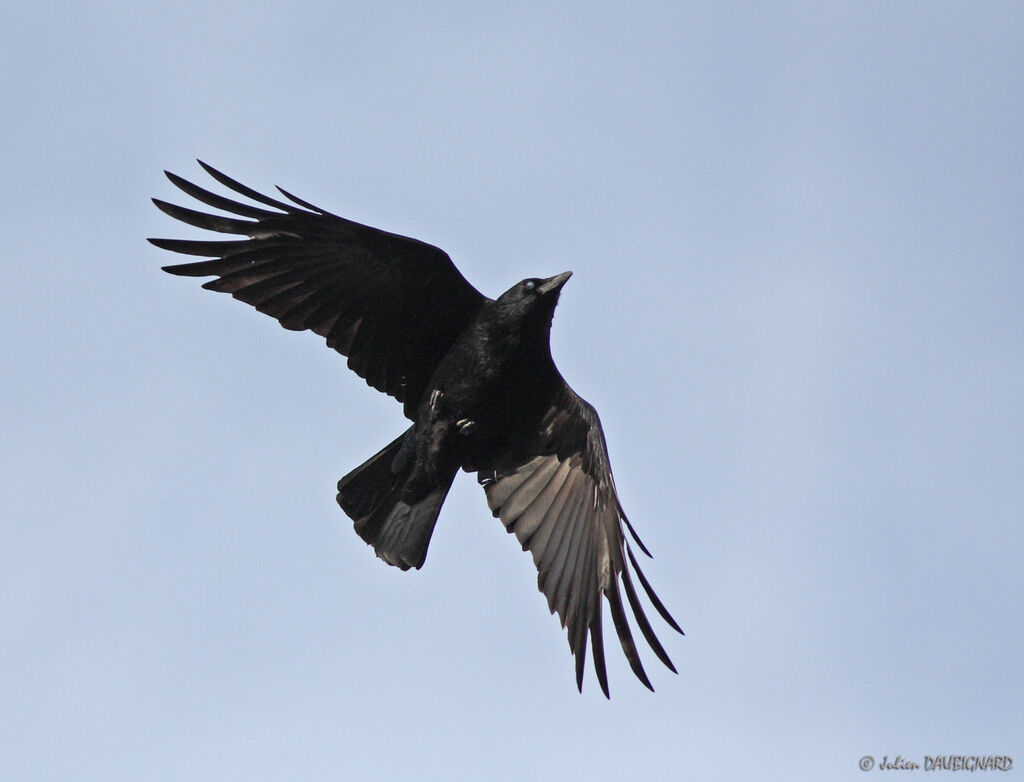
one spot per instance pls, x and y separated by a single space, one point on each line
372 496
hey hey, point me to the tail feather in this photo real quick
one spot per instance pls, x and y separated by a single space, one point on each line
371 495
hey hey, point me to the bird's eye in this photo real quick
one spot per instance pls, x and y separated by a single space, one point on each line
529 285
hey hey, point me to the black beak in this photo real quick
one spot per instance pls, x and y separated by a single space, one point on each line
553 284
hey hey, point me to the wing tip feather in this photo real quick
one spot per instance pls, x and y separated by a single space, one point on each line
624 633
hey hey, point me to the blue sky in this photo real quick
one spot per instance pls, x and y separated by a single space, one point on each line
797 233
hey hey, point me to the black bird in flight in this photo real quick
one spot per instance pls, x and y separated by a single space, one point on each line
475 377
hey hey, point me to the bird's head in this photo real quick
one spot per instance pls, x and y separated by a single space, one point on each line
520 318
533 299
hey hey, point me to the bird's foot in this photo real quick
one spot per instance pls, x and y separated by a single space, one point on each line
465 426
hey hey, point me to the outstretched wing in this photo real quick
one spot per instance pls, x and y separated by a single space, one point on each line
391 304
558 496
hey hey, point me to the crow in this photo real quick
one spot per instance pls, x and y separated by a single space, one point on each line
474 375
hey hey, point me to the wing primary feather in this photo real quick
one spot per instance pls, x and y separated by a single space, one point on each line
306 204
585 581
248 192
622 629
199 268
643 623
632 532
581 659
259 262
206 268
218 201
650 593
579 618
207 249
224 225
597 649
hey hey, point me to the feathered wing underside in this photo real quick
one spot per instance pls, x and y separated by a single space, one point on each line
562 507
391 304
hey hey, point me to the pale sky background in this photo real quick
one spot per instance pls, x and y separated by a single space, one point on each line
797 232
